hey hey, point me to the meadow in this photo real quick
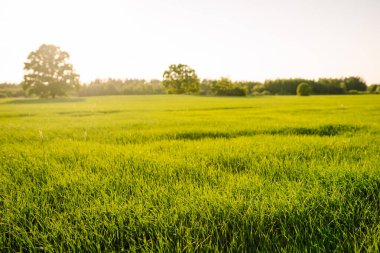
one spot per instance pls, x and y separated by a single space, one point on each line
176 173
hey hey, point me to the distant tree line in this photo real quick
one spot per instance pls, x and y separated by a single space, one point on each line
11 90
48 73
226 87
110 86
211 87
374 88
179 79
319 87
322 86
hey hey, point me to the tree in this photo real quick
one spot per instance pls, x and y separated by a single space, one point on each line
355 83
48 73
330 86
373 88
303 89
205 87
225 87
180 79
284 86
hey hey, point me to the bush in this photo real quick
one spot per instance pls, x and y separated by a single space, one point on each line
236 91
256 93
373 88
225 87
355 83
353 92
11 90
303 89
258 88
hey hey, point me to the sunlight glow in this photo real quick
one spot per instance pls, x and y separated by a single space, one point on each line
241 39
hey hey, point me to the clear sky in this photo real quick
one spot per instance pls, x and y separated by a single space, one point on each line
240 39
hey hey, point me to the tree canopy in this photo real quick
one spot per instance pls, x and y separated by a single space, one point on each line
303 89
180 79
48 72
355 83
225 87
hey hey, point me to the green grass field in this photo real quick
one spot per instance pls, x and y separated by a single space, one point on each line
186 173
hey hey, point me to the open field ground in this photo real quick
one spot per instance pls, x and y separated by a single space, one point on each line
186 173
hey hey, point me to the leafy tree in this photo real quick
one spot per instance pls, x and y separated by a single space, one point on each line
180 79
353 92
48 73
248 86
330 86
205 87
303 89
284 86
11 90
225 87
373 88
111 86
355 83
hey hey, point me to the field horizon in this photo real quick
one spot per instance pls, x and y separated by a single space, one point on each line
180 173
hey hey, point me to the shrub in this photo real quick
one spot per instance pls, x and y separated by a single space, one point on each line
256 93
266 93
303 89
373 88
225 87
353 92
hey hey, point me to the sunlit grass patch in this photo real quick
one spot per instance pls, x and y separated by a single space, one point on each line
159 173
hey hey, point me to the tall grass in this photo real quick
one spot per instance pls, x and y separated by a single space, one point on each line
185 174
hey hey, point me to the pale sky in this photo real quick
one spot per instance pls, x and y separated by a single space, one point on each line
239 39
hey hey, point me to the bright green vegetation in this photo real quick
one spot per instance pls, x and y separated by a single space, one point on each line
186 173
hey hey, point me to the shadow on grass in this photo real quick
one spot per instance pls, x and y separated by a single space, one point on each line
45 100
88 113
214 109
324 130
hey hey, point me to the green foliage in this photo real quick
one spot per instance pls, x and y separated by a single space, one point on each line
258 89
353 92
283 86
121 87
355 83
266 93
221 87
205 87
303 89
11 90
321 86
329 86
48 73
248 86
225 87
374 88
180 79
